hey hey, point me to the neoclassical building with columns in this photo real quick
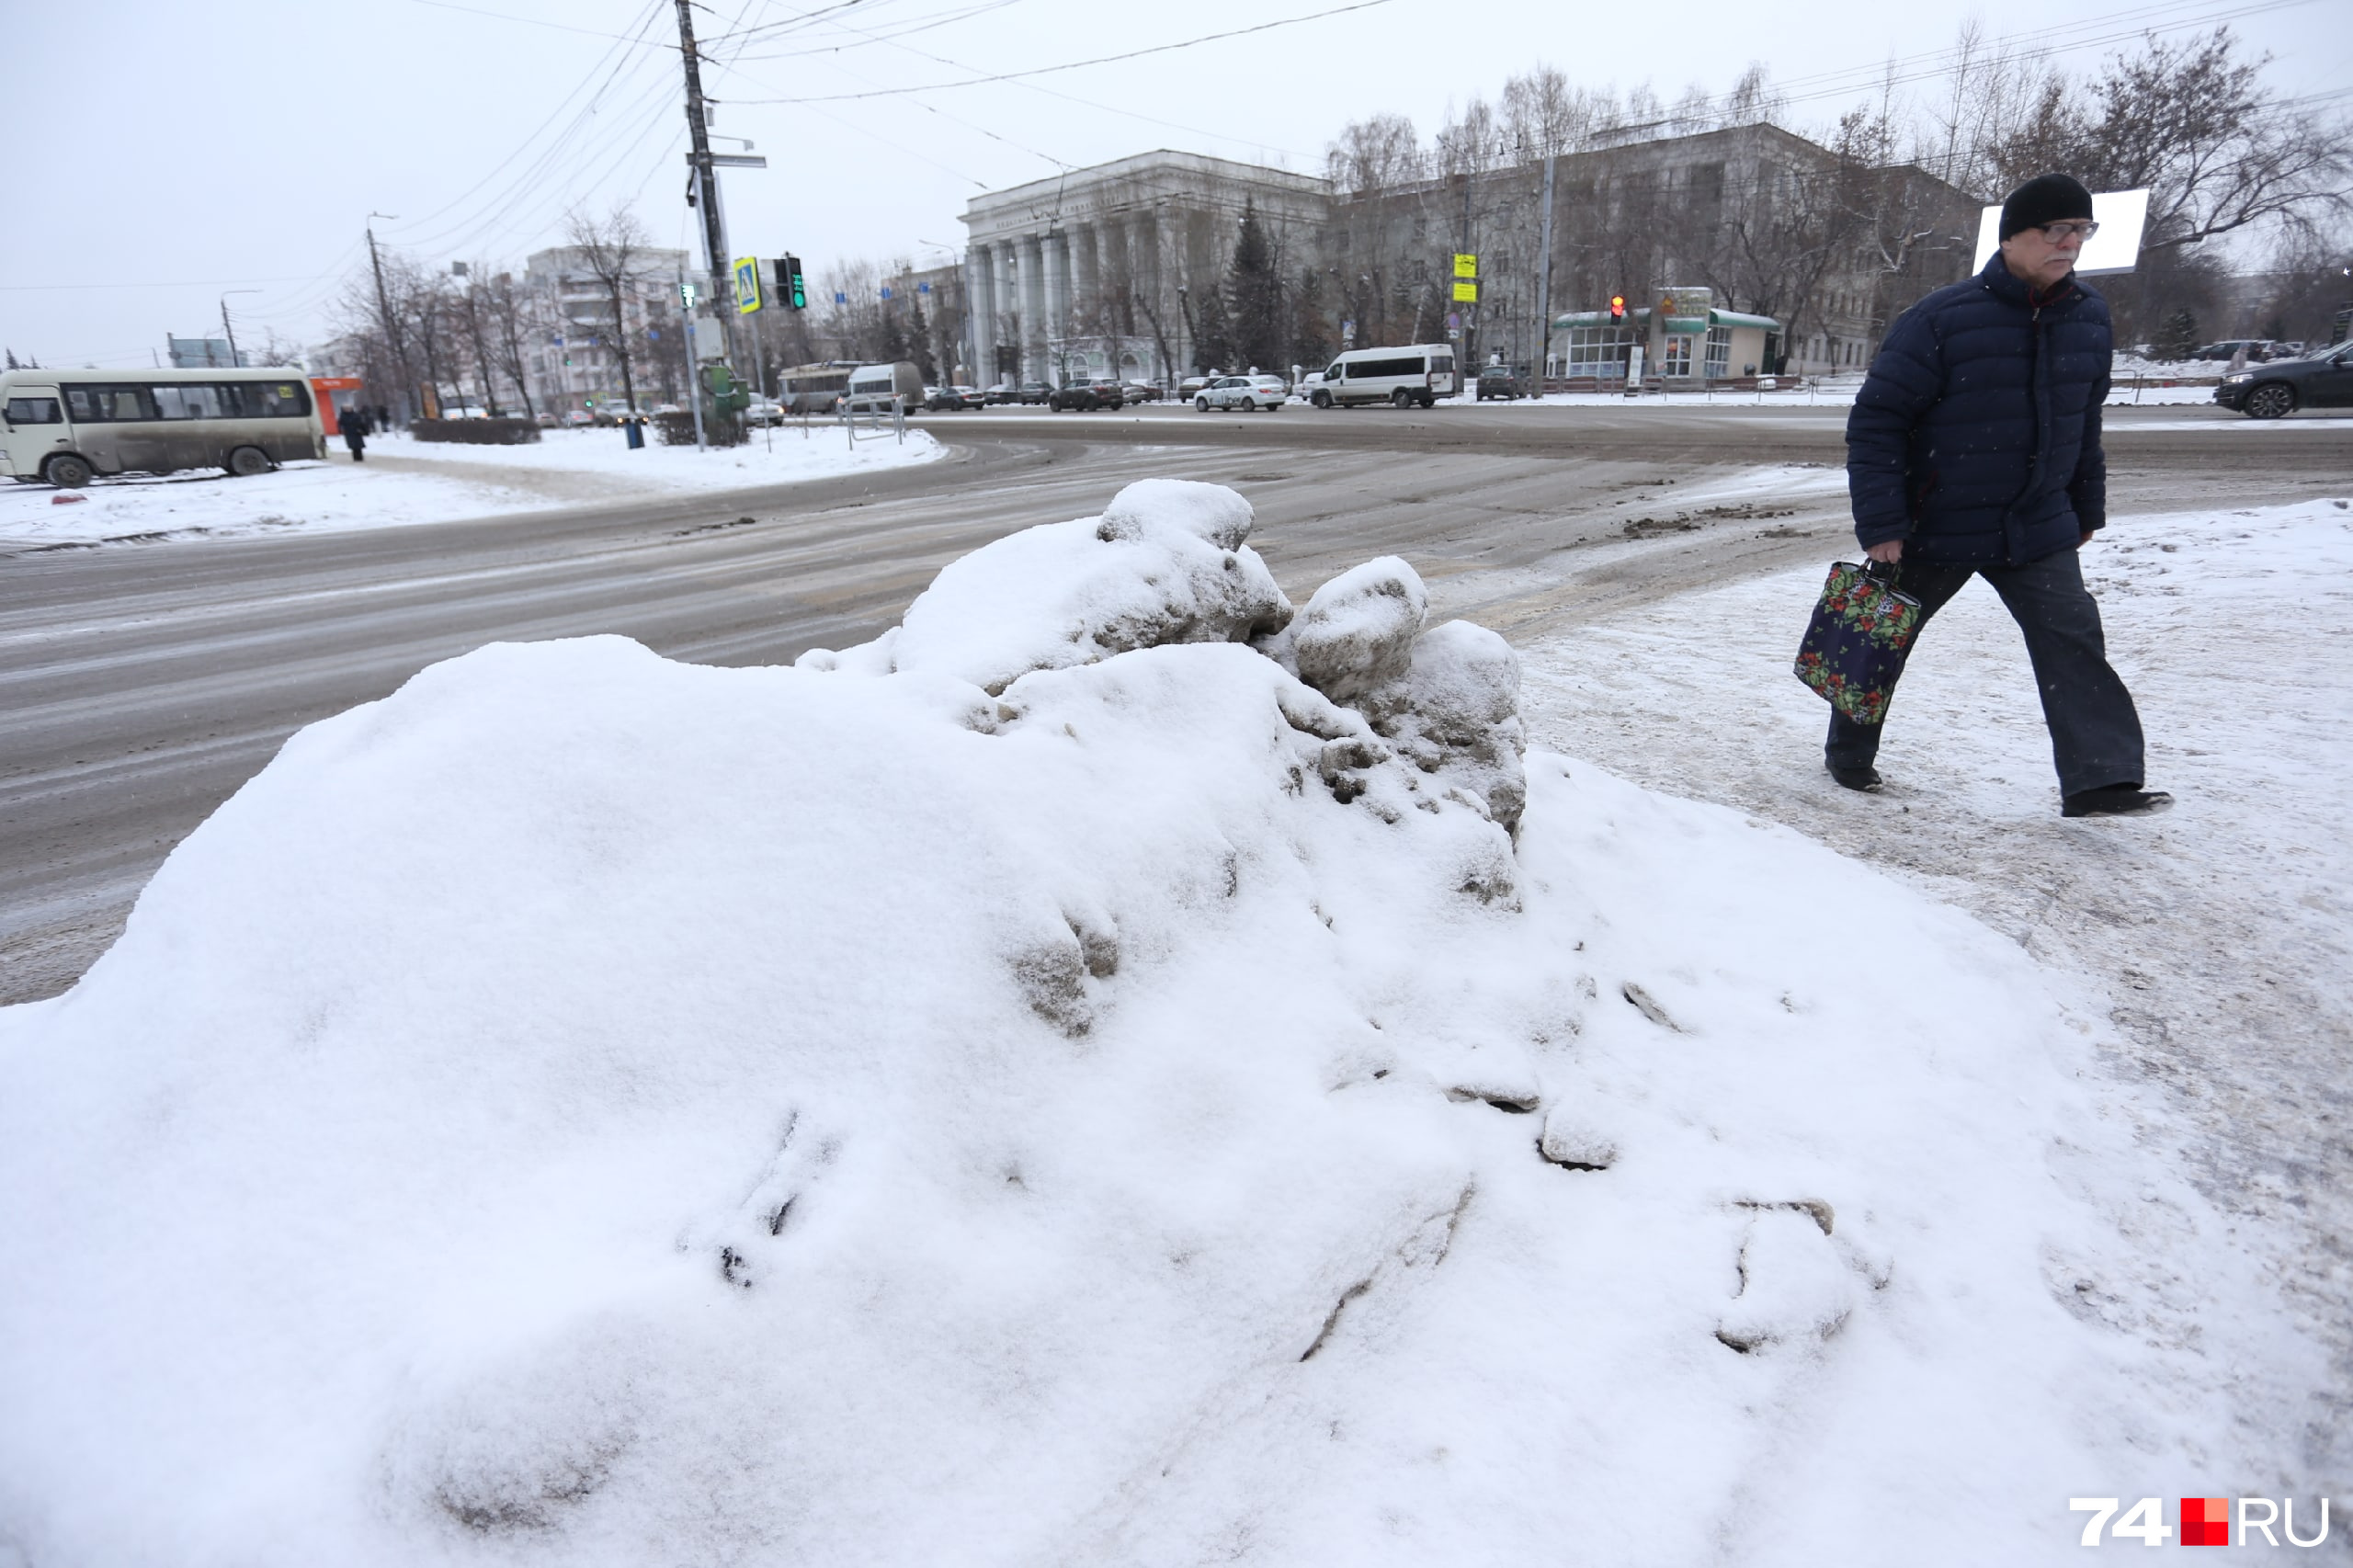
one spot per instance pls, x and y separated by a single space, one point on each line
1102 270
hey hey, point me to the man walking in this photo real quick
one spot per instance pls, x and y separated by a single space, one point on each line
1973 449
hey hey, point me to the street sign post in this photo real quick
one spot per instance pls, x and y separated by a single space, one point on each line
1465 266
1465 293
747 284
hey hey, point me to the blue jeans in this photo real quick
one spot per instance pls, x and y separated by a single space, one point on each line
2095 730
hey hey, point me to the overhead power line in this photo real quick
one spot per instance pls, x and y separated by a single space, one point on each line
1077 65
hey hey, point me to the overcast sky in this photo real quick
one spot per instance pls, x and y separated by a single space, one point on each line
186 150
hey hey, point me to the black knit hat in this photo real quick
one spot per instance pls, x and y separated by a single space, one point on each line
2045 198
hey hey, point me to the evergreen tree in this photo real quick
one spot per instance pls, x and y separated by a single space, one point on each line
2177 336
895 337
1213 335
12 360
926 363
1254 297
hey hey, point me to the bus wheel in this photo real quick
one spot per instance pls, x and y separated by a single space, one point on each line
66 472
247 462
1401 398
1322 399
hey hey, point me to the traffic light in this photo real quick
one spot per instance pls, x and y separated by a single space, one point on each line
1616 307
795 287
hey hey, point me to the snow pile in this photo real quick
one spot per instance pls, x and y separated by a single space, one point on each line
589 1109
405 482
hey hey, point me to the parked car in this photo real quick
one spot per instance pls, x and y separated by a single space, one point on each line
545 420
1506 382
579 419
947 400
2322 378
1264 393
1088 394
762 411
1141 391
1003 392
1190 386
2258 349
1033 392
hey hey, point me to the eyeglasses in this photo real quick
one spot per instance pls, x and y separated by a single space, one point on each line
2059 234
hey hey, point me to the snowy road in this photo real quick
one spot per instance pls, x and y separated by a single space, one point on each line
141 684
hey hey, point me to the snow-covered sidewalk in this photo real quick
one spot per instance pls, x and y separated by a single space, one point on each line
2220 935
1124 1069
406 481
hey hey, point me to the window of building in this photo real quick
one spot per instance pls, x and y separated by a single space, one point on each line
1598 350
1677 360
1719 353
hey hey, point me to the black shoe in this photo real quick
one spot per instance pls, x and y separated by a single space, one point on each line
2115 800
1865 777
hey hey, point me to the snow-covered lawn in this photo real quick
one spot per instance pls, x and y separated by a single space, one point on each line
1834 391
1092 1078
406 481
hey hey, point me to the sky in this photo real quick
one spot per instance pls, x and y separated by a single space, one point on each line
244 148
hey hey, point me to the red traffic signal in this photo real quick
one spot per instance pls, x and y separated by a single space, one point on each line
1616 307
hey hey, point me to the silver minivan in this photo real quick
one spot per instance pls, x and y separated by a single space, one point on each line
67 427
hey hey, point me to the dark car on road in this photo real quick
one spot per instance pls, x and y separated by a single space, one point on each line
1141 391
1088 394
1503 380
2322 378
1033 392
947 400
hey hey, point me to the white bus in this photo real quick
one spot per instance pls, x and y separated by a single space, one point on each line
67 427
1419 374
813 389
874 389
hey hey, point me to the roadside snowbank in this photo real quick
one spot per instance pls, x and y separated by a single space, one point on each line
589 1109
569 467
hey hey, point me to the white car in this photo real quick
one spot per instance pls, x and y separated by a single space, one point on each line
761 411
1257 392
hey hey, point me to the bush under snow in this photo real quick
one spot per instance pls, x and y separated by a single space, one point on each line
1051 1085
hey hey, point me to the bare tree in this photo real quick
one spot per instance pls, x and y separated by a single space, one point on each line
470 312
613 250
509 310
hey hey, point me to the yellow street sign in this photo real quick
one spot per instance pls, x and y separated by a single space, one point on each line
1466 293
747 284
1465 266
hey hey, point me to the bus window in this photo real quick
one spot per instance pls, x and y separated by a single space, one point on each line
187 399
96 404
34 411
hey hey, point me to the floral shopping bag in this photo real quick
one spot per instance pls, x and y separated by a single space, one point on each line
1856 645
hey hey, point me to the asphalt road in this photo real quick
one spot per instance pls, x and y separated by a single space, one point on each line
142 683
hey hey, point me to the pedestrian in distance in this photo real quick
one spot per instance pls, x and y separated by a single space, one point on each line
353 423
1973 449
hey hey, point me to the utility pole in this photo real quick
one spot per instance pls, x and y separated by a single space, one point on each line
228 331
384 305
714 236
1544 288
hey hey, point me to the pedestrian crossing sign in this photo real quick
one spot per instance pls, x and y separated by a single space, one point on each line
747 284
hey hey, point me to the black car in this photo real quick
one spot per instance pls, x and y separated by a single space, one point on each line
1033 392
2322 378
1503 382
1088 394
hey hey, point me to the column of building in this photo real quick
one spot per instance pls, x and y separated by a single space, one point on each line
979 313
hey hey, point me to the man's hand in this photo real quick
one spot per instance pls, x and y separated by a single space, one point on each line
2085 539
1891 550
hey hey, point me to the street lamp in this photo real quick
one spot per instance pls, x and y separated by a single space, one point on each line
226 330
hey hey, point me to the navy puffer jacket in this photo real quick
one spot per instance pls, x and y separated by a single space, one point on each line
1976 439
